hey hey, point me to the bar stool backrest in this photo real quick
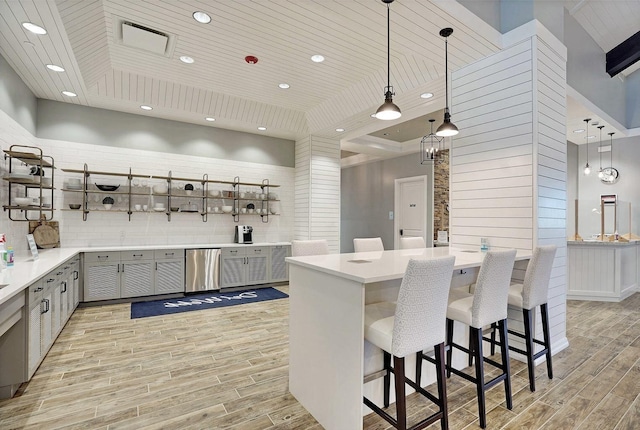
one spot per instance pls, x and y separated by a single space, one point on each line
301 248
492 288
411 243
368 244
421 309
536 280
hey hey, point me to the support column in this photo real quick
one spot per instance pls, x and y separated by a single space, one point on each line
317 190
509 162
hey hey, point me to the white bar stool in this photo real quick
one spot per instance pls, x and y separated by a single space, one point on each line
412 243
487 305
301 248
533 292
409 326
368 244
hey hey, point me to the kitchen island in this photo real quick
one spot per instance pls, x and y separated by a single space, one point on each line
327 353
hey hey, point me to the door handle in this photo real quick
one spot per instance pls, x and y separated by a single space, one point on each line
401 232
76 274
65 288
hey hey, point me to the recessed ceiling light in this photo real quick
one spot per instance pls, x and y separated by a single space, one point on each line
209 119
373 115
55 68
317 58
339 130
186 59
580 130
591 137
426 95
34 28
261 128
284 86
145 107
69 94
201 17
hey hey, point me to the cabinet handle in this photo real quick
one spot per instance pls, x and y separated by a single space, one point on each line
65 287
37 289
233 252
118 268
59 273
41 310
66 267
76 274
50 280
102 256
46 309
257 250
169 253
122 267
156 265
137 255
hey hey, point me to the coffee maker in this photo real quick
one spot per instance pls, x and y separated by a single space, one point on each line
244 234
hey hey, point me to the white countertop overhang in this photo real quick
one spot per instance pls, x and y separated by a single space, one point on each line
379 266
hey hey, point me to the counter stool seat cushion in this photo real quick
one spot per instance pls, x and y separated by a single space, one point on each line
378 324
457 294
515 295
460 310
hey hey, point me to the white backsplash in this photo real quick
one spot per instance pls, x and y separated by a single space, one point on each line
109 228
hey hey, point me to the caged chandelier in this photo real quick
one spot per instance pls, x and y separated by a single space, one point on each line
430 145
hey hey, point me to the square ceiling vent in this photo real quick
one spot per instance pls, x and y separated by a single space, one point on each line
141 37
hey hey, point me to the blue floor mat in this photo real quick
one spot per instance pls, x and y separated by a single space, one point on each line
203 301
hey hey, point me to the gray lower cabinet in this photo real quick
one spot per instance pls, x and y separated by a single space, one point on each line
253 265
51 301
169 271
244 266
123 274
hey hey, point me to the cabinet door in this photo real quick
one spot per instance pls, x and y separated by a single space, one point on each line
56 315
257 265
279 271
169 276
64 300
136 279
232 271
101 281
46 322
34 336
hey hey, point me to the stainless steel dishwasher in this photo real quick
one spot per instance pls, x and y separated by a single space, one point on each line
203 270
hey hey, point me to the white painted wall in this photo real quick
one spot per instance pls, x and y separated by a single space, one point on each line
106 228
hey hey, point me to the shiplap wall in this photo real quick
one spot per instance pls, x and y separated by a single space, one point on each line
317 196
508 165
109 228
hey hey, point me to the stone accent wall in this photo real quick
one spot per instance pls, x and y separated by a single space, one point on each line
440 192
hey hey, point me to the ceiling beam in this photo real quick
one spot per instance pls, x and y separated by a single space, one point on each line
623 55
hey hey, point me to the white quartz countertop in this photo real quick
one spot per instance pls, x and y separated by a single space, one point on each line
25 270
593 242
377 266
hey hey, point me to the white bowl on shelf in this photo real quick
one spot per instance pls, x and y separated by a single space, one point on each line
159 209
227 209
23 201
160 189
107 206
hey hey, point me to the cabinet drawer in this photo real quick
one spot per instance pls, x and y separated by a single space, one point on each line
239 251
35 292
102 257
169 254
136 255
255 251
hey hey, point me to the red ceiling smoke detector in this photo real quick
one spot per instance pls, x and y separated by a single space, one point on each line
251 59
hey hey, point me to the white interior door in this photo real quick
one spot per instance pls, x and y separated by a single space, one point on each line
411 208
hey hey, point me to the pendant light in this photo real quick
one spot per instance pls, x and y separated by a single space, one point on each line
587 168
429 146
447 128
388 110
600 172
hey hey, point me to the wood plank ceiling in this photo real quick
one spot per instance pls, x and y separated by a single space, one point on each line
84 37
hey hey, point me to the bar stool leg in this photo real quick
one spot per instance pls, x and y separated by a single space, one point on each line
477 348
450 345
528 340
419 369
502 325
470 348
442 385
387 377
401 404
547 337
494 328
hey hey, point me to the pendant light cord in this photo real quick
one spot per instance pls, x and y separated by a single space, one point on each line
388 47
446 72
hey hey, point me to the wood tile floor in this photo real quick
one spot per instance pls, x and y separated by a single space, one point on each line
227 368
